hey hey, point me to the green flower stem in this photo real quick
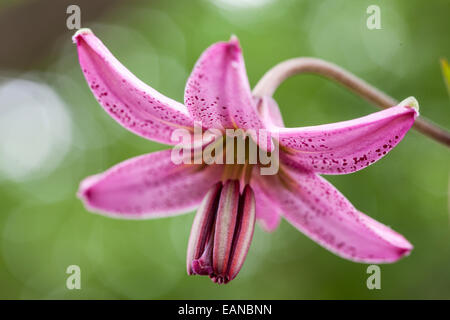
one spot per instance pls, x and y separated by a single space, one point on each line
275 76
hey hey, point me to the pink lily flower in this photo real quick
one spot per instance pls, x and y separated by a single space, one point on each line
230 198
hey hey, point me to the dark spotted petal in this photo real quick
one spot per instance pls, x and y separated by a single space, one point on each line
136 106
218 93
148 186
321 212
348 146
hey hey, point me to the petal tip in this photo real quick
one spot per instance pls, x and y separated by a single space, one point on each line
410 102
83 194
268 227
234 39
84 190
81 32
407 248
403 252
234 48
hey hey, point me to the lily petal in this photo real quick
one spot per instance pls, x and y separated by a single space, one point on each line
136 106
321 212
148 186
348 146
270 112
267 214
218 93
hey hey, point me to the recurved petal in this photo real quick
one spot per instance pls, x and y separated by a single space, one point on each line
321 212
148 186
218 93
348 146
136 106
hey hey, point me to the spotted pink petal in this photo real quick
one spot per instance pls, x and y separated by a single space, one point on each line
218 93
148 186
348 146
136 106
321 212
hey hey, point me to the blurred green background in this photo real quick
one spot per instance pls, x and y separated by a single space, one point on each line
53 134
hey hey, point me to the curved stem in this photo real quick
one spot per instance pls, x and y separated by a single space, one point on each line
275 76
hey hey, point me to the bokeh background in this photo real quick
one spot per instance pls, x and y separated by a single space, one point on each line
53 134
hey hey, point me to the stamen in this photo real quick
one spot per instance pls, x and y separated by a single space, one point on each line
222 231
225 225
243 233
202 230
203 265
